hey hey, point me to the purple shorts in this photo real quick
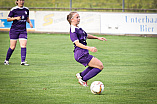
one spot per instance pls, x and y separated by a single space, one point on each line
14 35
82 56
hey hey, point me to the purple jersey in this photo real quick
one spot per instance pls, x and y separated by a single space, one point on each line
79 34
19 25
81 55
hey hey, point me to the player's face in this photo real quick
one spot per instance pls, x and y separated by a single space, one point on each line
20 3
76 19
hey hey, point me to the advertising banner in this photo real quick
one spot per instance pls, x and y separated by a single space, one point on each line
48 21
51 21
129 23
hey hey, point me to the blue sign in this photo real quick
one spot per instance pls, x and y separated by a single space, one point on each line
5 24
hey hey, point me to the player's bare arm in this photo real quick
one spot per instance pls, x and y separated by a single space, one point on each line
9 19
30 23
95 37
92 49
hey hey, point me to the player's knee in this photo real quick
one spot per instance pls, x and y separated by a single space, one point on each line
23 45
101 67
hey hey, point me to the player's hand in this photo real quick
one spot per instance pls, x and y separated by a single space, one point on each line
102 38
92 49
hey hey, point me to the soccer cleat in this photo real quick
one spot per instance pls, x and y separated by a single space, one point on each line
6 62
83 83
24 63
78 76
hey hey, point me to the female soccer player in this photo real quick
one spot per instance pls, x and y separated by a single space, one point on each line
19 15
78 37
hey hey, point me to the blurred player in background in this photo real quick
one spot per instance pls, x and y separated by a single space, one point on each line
19 15
78 37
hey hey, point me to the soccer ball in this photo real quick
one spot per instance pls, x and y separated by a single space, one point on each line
97 87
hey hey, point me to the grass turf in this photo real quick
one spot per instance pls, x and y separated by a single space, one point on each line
129 75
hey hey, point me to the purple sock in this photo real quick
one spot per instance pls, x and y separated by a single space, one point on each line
23 54
91 74
86 71
9 53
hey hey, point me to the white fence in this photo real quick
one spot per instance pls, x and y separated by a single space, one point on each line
91 22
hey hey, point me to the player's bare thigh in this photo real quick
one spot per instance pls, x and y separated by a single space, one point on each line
13 44
23 43
96 63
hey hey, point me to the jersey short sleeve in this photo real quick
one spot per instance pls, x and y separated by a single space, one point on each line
73 37
73 34
11 14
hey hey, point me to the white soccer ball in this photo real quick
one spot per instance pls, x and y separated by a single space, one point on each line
97 87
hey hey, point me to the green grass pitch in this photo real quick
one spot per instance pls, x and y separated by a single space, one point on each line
129 74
